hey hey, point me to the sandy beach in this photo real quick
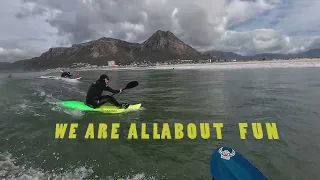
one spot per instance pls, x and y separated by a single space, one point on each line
247 65
294 63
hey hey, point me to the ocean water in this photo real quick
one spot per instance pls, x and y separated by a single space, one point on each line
288 97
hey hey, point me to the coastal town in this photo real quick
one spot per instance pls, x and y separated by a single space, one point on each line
112 64
216 64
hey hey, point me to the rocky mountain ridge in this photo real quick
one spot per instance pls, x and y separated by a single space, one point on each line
312 53
160 47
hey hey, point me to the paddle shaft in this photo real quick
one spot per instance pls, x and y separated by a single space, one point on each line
116 93
130 85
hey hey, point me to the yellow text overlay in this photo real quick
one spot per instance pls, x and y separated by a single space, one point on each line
176 131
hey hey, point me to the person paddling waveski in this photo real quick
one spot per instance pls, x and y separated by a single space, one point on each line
66 75
95 98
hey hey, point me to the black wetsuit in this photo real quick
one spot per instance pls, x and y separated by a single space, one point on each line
66 75
95 98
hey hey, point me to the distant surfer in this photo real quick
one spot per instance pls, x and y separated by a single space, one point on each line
95 98
10 76
66 75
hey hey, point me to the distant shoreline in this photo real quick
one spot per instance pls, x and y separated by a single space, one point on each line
293 63
222 65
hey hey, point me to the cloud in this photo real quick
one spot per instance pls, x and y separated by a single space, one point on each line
242 26
12 50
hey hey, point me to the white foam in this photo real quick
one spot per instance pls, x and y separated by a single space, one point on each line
25 106
51 100
42 94
72 112
10 171
76 80
139 176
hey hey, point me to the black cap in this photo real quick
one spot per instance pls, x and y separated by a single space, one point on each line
103 77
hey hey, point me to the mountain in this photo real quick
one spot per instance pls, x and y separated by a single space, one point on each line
97 52
161 46
312 53
268 56
166 46
225 55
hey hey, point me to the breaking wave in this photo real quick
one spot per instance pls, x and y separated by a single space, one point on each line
76 80
10 170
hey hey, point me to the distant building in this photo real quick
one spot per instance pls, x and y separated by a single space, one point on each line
205 61
111 63
186 61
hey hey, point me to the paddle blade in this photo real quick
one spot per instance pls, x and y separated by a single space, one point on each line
228 164
131 84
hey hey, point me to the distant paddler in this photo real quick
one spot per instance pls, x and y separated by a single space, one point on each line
67 74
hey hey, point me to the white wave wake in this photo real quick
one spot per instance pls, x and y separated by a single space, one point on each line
9 170
75 80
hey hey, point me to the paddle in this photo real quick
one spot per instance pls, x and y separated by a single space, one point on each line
228 164
130 85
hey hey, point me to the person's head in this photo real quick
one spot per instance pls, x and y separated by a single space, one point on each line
104 77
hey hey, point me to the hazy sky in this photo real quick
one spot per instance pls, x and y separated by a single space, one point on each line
31 27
